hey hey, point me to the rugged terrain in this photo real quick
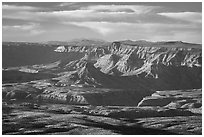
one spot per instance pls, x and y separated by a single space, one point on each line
98 87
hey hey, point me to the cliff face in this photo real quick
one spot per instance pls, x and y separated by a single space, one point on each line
135 59
170 65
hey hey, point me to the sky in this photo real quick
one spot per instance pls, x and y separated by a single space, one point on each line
51 21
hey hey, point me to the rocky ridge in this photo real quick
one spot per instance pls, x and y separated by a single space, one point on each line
142 61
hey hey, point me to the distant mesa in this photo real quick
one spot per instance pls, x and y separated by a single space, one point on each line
81 42
99 42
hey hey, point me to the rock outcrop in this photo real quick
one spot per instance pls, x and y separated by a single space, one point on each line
174 99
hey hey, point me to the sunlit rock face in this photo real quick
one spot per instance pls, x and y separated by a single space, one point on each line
57 95
133 60
175 99
171 65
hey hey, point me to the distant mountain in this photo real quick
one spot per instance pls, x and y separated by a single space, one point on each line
81 42
173 44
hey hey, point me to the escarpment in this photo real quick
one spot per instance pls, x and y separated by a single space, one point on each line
160 65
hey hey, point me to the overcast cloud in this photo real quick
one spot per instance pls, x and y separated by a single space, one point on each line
108 21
